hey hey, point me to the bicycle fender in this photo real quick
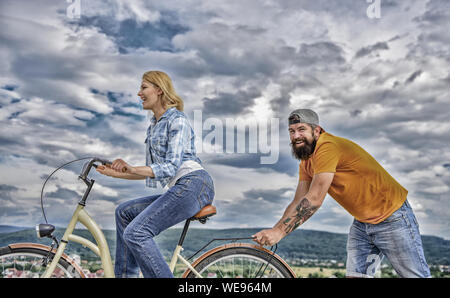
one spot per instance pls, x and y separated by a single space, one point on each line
232 245
47 248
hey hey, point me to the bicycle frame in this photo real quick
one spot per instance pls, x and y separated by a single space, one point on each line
176 255
101 249
80 215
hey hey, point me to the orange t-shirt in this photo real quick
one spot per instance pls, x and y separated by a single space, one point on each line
360 184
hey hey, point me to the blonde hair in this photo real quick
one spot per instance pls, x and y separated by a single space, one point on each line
161 80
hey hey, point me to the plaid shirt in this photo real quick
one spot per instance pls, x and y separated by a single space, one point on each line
169 142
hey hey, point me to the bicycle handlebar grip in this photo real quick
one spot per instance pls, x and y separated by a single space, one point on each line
107 162
103 161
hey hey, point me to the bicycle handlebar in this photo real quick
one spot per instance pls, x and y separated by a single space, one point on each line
84 173
89 182
87 166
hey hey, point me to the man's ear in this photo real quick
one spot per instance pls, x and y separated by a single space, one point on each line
317 131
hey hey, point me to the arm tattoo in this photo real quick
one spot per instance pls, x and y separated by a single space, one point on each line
304 211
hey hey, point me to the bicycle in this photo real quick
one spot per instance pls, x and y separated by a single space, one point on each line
229 260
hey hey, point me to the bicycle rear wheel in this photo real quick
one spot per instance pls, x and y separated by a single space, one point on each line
241 260
26 260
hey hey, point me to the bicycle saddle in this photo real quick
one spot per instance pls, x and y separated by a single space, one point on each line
204 213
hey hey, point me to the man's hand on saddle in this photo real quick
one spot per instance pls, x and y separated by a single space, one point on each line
268 237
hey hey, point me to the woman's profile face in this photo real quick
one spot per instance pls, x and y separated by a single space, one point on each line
149 95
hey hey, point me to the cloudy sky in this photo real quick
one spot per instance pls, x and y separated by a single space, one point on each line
69 78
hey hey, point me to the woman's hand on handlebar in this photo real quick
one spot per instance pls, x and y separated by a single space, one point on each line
115 169
119 165
106 170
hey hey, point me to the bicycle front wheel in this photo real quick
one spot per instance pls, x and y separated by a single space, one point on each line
27 260
240 260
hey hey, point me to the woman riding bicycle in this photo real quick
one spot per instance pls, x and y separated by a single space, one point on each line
170 159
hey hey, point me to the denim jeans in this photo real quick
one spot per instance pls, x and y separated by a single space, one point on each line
397 238
138 221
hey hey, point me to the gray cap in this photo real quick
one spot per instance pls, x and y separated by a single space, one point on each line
304 116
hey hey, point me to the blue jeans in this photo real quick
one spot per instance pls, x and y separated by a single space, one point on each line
397 238
139 221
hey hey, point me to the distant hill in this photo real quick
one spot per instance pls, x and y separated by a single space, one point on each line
10 229
300 244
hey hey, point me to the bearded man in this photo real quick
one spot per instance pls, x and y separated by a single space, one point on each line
384 223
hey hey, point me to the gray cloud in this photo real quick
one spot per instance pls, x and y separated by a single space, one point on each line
323 53
370 49
272 195
131 34
433 38
285 164
7 190
223 53
436 13
252 208
413 76
8 201
230 103
288 83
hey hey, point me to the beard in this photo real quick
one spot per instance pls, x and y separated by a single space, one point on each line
304 152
